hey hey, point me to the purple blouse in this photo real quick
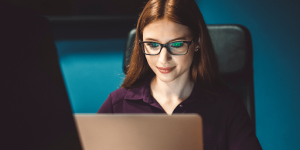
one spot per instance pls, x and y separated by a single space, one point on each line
226 123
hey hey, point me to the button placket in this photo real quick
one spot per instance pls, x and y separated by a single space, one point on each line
178 109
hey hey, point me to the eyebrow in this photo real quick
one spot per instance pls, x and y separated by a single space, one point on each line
179 38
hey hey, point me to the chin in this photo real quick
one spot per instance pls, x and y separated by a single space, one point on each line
166 78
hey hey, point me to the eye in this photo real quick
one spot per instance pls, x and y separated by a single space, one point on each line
152 44
176 44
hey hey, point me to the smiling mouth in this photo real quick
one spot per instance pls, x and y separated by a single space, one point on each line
165 69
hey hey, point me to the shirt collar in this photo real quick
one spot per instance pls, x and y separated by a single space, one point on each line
142 92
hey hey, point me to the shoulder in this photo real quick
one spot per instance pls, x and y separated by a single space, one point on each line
123 93
132 93
222 95
229 103
118 95
224 92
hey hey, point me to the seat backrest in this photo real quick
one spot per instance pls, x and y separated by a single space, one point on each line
233 48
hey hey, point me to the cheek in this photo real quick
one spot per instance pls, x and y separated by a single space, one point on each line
151 61
184 62
187 59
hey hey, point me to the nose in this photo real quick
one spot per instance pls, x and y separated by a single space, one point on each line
164 56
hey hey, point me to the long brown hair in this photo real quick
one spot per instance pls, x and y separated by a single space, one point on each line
204 68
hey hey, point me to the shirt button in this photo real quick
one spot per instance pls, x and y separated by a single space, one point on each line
180 105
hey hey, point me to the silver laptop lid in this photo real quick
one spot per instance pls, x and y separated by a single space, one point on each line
140 131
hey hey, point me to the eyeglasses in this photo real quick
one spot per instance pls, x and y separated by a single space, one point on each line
174 48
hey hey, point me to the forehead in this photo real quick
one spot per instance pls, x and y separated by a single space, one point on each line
165 30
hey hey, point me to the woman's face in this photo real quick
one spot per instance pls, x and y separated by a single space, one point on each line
169 67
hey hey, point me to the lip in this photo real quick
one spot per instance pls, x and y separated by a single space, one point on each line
165 70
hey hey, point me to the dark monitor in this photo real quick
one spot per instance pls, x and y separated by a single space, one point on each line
34 103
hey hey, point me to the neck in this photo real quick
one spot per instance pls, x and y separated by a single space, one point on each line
172 91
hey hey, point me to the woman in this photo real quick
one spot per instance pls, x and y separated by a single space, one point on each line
173 69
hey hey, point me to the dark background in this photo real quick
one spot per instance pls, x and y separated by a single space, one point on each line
82 7
274 26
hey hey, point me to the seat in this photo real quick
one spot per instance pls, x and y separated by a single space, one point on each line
233 48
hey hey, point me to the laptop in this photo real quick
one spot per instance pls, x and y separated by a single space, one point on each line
140 131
